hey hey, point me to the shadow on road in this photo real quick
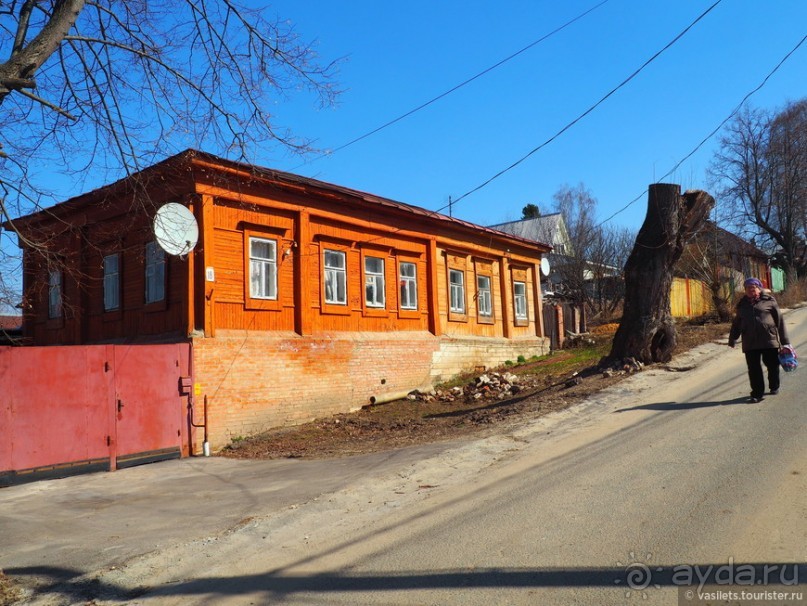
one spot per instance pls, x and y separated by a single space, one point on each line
671 406
275 585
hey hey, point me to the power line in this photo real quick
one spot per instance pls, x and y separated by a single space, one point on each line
455 88
714 131
590 109
764 81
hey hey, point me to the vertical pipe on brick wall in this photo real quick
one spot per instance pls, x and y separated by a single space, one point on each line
192 404
206 443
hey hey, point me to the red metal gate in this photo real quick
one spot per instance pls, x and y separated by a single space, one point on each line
73 409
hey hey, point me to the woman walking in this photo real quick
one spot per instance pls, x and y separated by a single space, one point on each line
759 322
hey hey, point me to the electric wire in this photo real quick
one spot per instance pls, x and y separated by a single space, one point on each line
714 131
453 89
436 213
588 111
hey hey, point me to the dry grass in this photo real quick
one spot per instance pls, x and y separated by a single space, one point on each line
407 422
793 295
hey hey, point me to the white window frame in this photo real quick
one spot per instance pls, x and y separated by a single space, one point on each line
262 268
408 285
155 273
374 283
112 282
484 299
456 281
54 294
520 300
335 275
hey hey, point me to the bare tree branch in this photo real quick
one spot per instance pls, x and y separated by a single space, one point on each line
761 175
120 85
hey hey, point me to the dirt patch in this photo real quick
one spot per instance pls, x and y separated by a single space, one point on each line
462 408
9 592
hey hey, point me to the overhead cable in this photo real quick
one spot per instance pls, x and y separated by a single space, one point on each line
457 87
714 132
589 110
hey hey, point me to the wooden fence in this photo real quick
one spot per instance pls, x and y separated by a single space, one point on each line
690 298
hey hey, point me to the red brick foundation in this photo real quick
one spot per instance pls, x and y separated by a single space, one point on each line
255 382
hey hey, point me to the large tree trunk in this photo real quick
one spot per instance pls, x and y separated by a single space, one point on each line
647 331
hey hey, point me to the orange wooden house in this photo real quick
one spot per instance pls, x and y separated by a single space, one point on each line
300 300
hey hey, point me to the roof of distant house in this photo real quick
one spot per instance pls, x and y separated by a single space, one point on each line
731 242
191 158
546 228
10 322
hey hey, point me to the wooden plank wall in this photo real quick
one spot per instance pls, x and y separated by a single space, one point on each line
303 224
81 252
233 223
502 277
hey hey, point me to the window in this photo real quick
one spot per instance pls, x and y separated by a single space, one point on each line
374 282
111 282
155 273
54 294
409 285
456 281
520 300
262 268
483 298
335 277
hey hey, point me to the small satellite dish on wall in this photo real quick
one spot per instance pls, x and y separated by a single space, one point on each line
175 229
545 266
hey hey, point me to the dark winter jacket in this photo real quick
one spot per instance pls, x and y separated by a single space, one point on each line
760 323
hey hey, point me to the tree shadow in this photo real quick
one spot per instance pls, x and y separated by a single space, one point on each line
72 584
673 406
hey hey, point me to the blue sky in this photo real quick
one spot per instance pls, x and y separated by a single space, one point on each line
399 55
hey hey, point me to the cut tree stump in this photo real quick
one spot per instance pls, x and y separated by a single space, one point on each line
647 329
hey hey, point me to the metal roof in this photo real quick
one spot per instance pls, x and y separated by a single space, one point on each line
193 157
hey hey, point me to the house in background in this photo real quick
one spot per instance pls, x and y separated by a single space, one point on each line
550 229
710 274
301 299
566 313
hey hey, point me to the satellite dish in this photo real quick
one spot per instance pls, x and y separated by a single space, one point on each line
175 229
545 266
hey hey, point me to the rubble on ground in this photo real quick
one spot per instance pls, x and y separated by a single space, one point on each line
489 386
500 386
579 339
626 366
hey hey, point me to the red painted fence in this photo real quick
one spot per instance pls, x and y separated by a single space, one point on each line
73 409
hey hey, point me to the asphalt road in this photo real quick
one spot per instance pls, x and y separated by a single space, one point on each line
668 479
